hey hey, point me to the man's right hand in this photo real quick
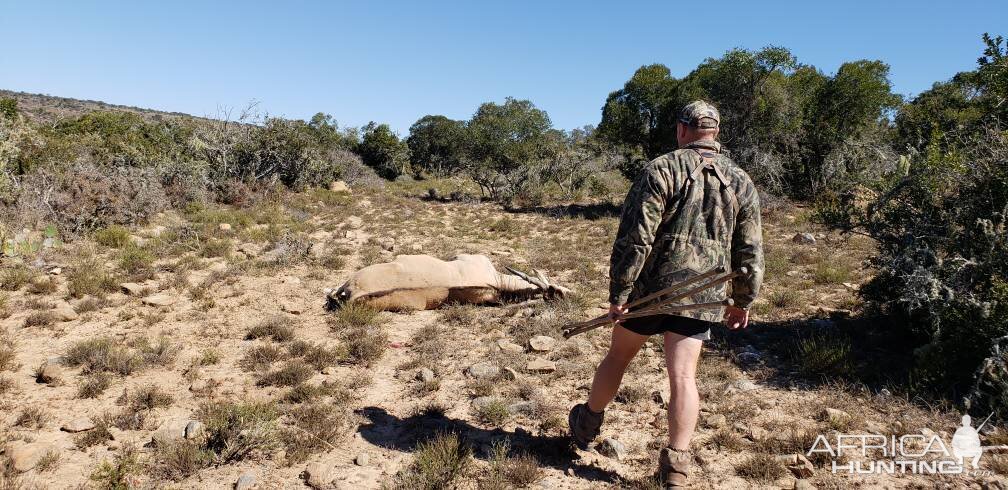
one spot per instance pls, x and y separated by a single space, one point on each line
616 312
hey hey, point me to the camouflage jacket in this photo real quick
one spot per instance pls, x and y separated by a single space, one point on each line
689 211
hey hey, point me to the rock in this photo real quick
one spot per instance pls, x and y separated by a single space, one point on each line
198 386
483 370
804 239
338 186
170 430
508 346
55 271
524 406
792 273
851 286
318 475
225 227
425 375
787 459
744 385
132 288
362 459
49 373
803 485
291 280
835 416
803 468
78 425
510 374
249 250
64 312
541 365
717 421
193 429
757 433
160 299
24 457
612 448
542 343
246 481
354 221
388 244
660 398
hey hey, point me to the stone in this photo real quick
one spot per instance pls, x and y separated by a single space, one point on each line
757 433
199 386
803 468
64 312
249 250
362 459
193 429
132 288
804 238
510 374
49 373
523 406
787 459
160 299
835 416
748 358
354 221
339 186
542 343
744 385
612 448
78 425
717 421
660 398
388 244
170 430
225 227
483 370
508 346
55 271
246 481
24 457
803 485
425 375
318 475
851 286
541 365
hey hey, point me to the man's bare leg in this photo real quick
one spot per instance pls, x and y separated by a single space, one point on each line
622 349
681 357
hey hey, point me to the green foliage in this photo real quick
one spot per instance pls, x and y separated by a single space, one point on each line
437 145
781 118
382 150
8 108
824 355
113 236
437 463
121 472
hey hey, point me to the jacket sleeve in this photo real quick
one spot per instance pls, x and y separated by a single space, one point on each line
642 213
747 247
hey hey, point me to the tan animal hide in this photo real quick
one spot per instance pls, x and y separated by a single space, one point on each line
421 282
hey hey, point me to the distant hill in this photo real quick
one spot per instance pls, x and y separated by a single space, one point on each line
49 108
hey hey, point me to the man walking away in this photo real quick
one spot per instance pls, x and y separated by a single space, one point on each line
689 211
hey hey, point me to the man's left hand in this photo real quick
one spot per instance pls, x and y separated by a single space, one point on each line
736 318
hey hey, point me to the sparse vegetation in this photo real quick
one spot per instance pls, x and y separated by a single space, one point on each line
93 385
113 236
278 328
439 462
290 373
365 345
33 418
102 354
762 468
14 278
236 431
120 472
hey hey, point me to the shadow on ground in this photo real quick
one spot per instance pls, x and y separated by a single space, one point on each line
404 434
584 211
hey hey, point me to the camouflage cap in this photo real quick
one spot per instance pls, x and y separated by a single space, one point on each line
700 114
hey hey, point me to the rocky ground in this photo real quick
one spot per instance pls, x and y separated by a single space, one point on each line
195 353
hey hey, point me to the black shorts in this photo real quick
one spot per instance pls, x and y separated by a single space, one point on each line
656 324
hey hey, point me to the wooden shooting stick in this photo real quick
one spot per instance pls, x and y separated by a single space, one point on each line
656 303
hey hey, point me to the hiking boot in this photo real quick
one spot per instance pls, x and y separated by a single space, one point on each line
673 468
585 425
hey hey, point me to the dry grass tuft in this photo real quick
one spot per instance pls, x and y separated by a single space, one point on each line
313 428
87 276
290 373
493 413
353 315
120 472
438 463
102 354
113 236
94 385
763 468
13 278
8 354
48 462
507 471
39 319
33 417
260 357
365 345
178 460
43 285
237 431
280 328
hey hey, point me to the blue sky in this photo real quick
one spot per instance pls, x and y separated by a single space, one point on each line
396 61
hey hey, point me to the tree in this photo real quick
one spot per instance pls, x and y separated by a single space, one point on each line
437 145
382 150
641 116
506 143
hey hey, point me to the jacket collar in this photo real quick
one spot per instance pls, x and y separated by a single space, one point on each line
705 144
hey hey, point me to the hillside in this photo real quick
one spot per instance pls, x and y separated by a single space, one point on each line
44 108
195 353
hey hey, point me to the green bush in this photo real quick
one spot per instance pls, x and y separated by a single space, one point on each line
113 236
